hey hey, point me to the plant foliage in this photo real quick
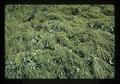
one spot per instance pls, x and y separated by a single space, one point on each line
59 41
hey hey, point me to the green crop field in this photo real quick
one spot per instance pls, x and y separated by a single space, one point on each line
59 42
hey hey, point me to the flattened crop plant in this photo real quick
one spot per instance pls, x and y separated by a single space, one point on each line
59 41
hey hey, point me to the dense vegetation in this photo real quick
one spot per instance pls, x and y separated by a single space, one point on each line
59 41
